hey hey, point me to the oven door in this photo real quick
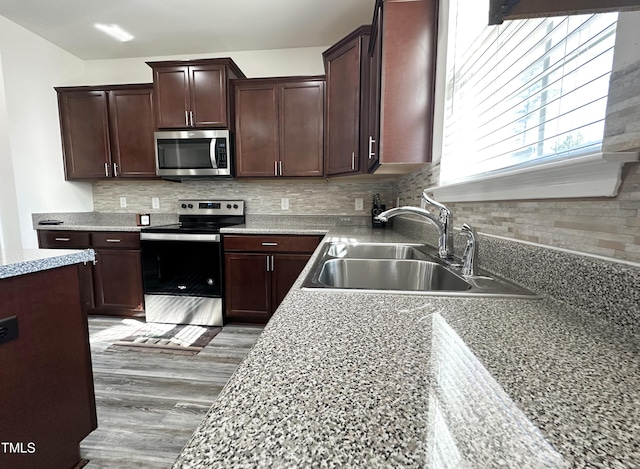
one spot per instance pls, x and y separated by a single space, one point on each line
182 275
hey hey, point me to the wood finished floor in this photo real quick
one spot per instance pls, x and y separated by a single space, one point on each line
149 404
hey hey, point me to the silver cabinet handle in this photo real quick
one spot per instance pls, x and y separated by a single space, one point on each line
280 166
191 116
115 169
353 160
371 142
63 239
269 244
273 265
106 169
182 287
186 118
112 240
275 168
267 258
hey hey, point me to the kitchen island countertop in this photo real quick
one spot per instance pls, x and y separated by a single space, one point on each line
15 262
383 380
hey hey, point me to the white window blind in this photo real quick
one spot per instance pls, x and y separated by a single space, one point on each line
524 92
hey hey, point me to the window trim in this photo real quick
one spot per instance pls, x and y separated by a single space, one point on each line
596 175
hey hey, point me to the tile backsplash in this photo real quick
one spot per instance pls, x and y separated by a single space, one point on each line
314 197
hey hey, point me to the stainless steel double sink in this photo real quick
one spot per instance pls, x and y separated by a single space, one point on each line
400 268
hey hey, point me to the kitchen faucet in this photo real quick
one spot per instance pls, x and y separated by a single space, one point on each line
444 224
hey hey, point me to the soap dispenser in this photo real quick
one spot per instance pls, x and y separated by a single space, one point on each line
376 210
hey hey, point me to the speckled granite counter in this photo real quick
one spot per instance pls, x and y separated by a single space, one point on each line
25 261
97 221
371 380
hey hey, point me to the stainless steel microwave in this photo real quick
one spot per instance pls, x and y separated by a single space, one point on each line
192 153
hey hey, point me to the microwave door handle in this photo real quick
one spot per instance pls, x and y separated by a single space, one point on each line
212 153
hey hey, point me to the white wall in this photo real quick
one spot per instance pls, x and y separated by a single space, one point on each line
627 49
30 146
9 218
254 64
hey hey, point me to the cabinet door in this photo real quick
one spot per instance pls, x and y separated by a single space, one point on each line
343 110
373 124
302 128
132 126
85 134
286 269
171 97
257 131
208 93
118 281
248 287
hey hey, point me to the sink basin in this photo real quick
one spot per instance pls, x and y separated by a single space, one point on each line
401 268
389 274
376 251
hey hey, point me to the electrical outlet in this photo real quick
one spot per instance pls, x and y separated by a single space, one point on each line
155 202
284 203
123 202
359 204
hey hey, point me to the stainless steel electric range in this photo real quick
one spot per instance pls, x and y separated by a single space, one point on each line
182 264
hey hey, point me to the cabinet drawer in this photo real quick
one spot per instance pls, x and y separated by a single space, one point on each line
115 240
63 239
276 243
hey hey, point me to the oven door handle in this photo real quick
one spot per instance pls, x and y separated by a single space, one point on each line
210 238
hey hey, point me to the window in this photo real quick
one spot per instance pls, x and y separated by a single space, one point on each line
523 93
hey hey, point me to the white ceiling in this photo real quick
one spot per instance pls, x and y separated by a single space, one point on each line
172 27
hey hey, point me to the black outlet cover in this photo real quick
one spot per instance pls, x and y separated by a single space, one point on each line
8 329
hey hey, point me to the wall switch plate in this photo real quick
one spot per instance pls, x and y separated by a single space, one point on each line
284 203
123 202
155 202
359 204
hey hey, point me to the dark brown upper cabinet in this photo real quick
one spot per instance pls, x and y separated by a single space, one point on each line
401 88
193 93
346 66
501 10
107 131
279 127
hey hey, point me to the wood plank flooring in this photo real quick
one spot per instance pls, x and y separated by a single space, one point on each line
148 403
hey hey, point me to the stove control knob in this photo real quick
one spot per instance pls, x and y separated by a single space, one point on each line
228 205
184 205
190 205
235 205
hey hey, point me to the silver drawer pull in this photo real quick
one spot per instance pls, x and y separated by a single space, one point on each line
269 244
112 240
63 239
182 287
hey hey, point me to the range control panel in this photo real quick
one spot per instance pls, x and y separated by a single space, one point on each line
210 207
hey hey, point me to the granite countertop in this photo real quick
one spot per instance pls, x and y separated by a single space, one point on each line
386 380
25 261
376 380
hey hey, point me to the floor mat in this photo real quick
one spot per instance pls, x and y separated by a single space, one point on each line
167 338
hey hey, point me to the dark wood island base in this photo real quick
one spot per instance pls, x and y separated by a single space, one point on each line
47 402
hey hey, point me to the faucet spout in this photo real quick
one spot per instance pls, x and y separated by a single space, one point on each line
445 238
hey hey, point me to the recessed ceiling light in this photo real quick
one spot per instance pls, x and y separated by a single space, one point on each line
114 31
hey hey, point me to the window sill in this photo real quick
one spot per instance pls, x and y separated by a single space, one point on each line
597 175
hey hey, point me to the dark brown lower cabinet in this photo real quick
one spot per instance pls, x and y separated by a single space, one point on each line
117 282
46 389
260 271
113 286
